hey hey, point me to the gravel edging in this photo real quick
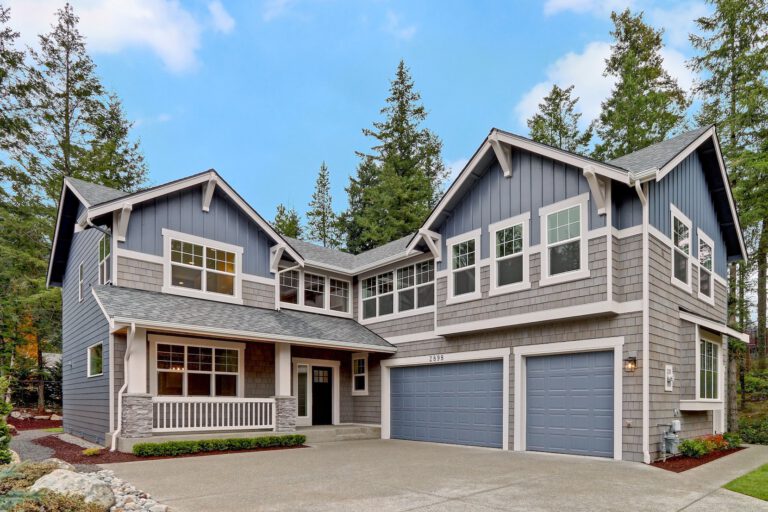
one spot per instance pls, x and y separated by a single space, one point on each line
127 497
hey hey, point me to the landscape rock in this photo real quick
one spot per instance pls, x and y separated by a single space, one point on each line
60 464
56 417
15 459
20 415
65 481
12 430
41 417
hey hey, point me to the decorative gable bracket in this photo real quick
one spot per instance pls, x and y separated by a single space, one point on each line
433 241
503 155
275 254
122 216
208 188
598 187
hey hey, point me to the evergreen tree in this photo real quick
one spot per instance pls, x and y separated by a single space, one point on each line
556 122
646 104
287 222
322 225
400 182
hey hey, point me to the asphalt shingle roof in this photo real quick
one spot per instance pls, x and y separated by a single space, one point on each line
138 305
325 256
95 193
659 154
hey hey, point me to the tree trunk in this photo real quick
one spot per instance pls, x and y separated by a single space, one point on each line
732 410
732 295
762 274
40 377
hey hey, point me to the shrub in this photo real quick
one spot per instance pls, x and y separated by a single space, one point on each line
5 432
174 448
694 448
715 442
754 431
733 439
92 452
53 502
20 476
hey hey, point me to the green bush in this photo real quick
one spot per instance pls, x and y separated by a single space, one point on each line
51 502
174 448
754 431
20 476
5 432
733 439
694 448
756 384
91 452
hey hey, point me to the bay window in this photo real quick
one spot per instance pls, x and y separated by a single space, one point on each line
706 262
192 370
681 249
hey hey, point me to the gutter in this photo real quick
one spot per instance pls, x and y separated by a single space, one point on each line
126 358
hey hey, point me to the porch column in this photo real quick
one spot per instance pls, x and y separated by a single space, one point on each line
137 403
285 404
136 373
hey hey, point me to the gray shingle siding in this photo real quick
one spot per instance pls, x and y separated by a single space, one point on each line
142 275
258 295
86 399
401 326
628 268
182 211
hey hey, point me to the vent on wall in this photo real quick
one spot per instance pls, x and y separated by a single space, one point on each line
717 422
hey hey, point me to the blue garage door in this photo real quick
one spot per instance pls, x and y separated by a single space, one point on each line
569 403
458 403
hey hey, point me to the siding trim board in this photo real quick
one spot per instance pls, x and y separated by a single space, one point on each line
569 347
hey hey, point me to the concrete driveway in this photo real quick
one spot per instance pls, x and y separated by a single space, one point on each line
388 476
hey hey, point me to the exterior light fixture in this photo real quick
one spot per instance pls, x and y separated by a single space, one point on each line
630 364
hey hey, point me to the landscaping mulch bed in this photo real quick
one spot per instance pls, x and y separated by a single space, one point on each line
32 424
74 454
680 463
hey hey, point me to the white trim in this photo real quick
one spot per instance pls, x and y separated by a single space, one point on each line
475 235
252 278
609 242
642 192
154 339
627 232
168 287
701 236
525 221
676 213
701 405
546 315
567 347
326 309
445 358
355 357
335 384
80 281
410 338
140 256
397 315
311 309
661 237
582 201
713 326
208 188
709 337
88 360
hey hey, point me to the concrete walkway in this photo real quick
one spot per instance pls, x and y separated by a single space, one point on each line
385 476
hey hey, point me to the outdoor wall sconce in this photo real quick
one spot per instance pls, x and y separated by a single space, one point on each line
630 364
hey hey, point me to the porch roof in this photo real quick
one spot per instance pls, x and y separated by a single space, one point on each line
173 312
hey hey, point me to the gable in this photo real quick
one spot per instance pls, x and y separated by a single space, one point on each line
70 208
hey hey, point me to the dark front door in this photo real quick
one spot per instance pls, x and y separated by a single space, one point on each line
322 395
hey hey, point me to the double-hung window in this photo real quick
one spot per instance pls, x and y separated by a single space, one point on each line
416 286
509 244
463 282
339 295
105 260
563 229
359 374
95 360
378 295
314 291
289 286
681 250
709 369
706 264
191 370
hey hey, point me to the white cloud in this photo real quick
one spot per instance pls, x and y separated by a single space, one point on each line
597 7
222 21
454 168
395 27
582 70
164 27
158 119
675 64
679 21
275 8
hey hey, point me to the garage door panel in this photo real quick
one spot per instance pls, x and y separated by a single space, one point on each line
458 403
569 403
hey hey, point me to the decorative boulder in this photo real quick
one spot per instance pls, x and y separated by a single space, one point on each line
69 482
56 417
12 429
42 417
60 464
15 414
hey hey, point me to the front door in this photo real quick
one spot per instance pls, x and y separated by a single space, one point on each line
322 395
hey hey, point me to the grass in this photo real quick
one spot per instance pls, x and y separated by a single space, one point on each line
753 484
55 430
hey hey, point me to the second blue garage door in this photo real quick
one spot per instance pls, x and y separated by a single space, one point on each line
457 403
569 403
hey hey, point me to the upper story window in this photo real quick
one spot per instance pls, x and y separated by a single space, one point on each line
563 229
201 268
509 245
416 286
304 289
289 286
378 295
105 260
681 249
339 296
706 263
314 291
464 276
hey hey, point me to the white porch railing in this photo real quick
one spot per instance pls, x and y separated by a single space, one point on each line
194 414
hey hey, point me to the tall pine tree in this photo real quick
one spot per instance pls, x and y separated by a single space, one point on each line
557 122
322 225
397 184
287 222
646 105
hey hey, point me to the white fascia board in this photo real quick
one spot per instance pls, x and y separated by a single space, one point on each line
713 326
684 154
66 185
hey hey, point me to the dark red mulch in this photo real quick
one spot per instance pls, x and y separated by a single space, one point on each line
32 424
680 463
73 454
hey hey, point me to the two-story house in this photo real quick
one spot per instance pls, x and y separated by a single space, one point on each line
550 302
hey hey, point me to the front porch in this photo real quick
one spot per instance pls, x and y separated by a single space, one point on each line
188 386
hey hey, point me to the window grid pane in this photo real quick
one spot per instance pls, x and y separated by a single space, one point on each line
709 370
464 254
226 360
405 277
222 261
681 236
170 357
509 241
289 286
705 255
564 225
425 272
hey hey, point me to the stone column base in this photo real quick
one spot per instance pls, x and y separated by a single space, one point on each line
285 413
137 415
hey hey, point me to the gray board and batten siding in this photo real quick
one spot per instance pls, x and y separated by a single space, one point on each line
182 211
536 182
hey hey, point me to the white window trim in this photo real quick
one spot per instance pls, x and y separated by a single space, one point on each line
168 235
80 281
88 360
103 262
583 272
525 221
675 213
364 391
194 342
702 237
568 347
335 385
464 237
396 313
717 340
326 309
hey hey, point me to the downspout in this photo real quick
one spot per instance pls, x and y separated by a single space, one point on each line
98 228
127 374
642 193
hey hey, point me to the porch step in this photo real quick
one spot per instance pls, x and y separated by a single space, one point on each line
332 434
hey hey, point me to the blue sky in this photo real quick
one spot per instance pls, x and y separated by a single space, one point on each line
264 91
